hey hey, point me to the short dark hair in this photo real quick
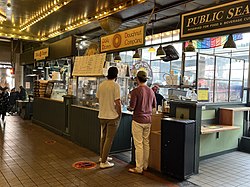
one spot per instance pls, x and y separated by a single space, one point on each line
112 72
142 80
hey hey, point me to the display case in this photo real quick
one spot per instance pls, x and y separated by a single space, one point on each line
56 90
86 88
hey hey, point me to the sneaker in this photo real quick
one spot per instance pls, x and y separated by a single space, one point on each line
106 165
108 159
134 170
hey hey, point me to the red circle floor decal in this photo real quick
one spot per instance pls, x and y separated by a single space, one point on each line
84 165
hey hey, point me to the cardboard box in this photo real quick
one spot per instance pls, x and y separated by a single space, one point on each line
156 122
155 150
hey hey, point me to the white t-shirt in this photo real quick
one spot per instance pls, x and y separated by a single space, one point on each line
107 92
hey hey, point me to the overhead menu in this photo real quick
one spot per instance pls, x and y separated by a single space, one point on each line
89 65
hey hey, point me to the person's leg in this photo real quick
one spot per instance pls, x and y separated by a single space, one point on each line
137 132
146 147
103 125
112 126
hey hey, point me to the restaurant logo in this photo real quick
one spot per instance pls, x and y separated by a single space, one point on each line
217 19
41 54
131 38
84 165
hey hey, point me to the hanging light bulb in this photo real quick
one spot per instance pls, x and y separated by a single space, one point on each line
136 56
230 44
190 47
117 58
151 50
160 52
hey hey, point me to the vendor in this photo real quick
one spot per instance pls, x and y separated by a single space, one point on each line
159 97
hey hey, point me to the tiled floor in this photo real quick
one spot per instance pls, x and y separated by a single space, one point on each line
33 156
27 160
229 170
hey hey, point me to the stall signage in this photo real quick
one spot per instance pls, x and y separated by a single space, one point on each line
41 54
217 19
134 37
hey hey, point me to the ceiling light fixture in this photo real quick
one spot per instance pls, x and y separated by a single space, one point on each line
160 52
8 6
117 57
76 23
190 47
43 14
230 44
136 56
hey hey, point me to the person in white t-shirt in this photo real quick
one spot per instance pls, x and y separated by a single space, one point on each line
108 94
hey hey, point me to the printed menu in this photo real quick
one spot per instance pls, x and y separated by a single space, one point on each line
89 65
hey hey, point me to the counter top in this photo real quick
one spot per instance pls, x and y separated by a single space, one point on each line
207 129
45 98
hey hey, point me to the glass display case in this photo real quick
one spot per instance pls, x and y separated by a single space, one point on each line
86 88
56 90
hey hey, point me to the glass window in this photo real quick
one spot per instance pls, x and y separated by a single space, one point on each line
206 66
221 91
205 83
237 69
222 68
236 89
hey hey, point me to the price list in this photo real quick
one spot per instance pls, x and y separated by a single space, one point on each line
89 65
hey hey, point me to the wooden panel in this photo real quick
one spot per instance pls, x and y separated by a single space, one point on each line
85 130
49 113
226 117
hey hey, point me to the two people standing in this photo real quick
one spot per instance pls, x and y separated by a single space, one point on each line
142 103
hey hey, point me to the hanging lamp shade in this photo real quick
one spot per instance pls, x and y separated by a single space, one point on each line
56 65
46 65
230 44
151 50
117 58
136 56
190 47
65 64
160 52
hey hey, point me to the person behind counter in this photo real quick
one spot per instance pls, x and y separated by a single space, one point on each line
158 96
22 93
108 94
142 103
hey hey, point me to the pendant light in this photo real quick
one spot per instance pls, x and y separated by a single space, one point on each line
136 56
190 47
160 52
230 44
152 49
56 65
47 65
117 57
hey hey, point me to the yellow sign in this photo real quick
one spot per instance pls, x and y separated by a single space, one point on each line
203 94
41 54
125 39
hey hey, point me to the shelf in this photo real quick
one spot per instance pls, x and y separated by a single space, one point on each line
208 129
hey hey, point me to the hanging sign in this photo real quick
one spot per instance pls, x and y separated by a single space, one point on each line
131 38
234 15
41 54
89 65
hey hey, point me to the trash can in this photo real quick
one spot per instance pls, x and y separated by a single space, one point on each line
177 147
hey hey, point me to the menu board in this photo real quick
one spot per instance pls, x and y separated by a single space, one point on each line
89 65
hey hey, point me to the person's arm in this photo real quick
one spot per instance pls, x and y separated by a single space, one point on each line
132 104
118 106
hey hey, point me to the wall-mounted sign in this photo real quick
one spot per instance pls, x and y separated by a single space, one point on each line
134 37
41 54
218 19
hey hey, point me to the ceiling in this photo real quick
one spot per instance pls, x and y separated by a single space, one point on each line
61 18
